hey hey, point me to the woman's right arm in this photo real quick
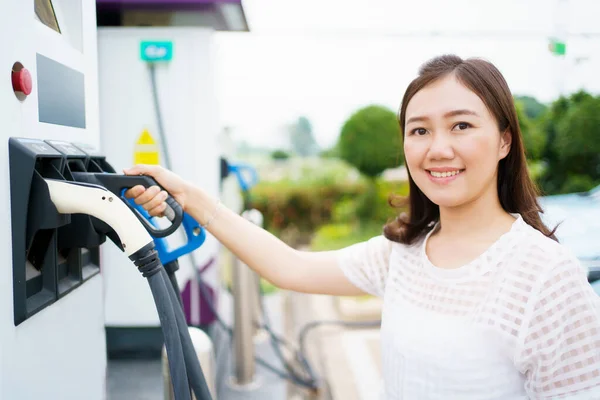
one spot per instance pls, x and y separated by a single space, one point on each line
274 260
271 258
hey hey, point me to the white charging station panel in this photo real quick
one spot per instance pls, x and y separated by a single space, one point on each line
58 353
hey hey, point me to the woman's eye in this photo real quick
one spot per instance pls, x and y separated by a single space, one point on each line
462 126
419 131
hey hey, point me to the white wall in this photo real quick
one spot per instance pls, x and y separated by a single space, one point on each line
58 353
189 110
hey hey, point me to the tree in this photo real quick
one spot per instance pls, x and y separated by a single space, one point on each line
571 126
532 108
370 140
577 138
533 137
302 139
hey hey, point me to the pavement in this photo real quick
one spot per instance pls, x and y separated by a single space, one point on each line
347 359
139 379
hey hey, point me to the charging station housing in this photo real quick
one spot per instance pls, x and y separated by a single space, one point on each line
56 347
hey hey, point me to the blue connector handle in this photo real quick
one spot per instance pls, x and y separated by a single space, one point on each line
238 170
196 235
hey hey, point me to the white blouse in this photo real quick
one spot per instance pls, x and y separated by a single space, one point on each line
518 322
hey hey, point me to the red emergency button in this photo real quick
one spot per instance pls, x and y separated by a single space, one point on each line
21 81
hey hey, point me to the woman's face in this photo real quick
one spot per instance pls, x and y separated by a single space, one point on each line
452 143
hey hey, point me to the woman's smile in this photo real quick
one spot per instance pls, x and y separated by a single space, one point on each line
443 175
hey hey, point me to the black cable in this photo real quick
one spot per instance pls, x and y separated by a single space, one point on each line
149 264
314 324
159 120
170 268
275 343
195 373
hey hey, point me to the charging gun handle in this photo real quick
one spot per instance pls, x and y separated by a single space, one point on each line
118 184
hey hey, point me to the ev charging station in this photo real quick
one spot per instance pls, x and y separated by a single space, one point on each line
57 171
52 325
53 343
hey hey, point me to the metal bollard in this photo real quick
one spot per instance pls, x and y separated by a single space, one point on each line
256 218
245 313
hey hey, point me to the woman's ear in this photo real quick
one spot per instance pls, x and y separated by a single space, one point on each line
505 143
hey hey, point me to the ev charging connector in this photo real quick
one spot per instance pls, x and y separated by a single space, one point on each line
136 242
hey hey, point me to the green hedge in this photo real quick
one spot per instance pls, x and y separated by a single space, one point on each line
302 208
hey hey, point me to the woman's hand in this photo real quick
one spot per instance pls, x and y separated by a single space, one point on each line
153 198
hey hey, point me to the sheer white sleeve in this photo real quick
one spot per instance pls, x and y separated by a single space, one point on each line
366 264
560 353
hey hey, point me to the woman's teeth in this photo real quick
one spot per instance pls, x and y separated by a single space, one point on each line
444 174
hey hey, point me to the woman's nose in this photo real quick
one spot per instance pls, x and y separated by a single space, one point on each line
441 147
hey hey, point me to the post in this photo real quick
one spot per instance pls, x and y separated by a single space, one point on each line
244 303
242 325
256 218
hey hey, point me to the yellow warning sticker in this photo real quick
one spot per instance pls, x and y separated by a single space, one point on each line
146 157
146 138
146 150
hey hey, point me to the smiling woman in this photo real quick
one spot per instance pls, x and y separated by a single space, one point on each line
480 300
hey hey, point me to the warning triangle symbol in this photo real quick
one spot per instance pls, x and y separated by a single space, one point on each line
146 138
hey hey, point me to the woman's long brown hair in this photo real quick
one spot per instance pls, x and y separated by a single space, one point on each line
516 191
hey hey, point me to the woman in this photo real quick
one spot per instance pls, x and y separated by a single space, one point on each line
480 301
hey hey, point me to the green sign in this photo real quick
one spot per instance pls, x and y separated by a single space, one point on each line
156 51
558 48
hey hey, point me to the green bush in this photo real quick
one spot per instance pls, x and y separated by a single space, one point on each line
373 203
304 207
301 207
346 229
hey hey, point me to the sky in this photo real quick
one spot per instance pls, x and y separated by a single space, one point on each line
324 59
